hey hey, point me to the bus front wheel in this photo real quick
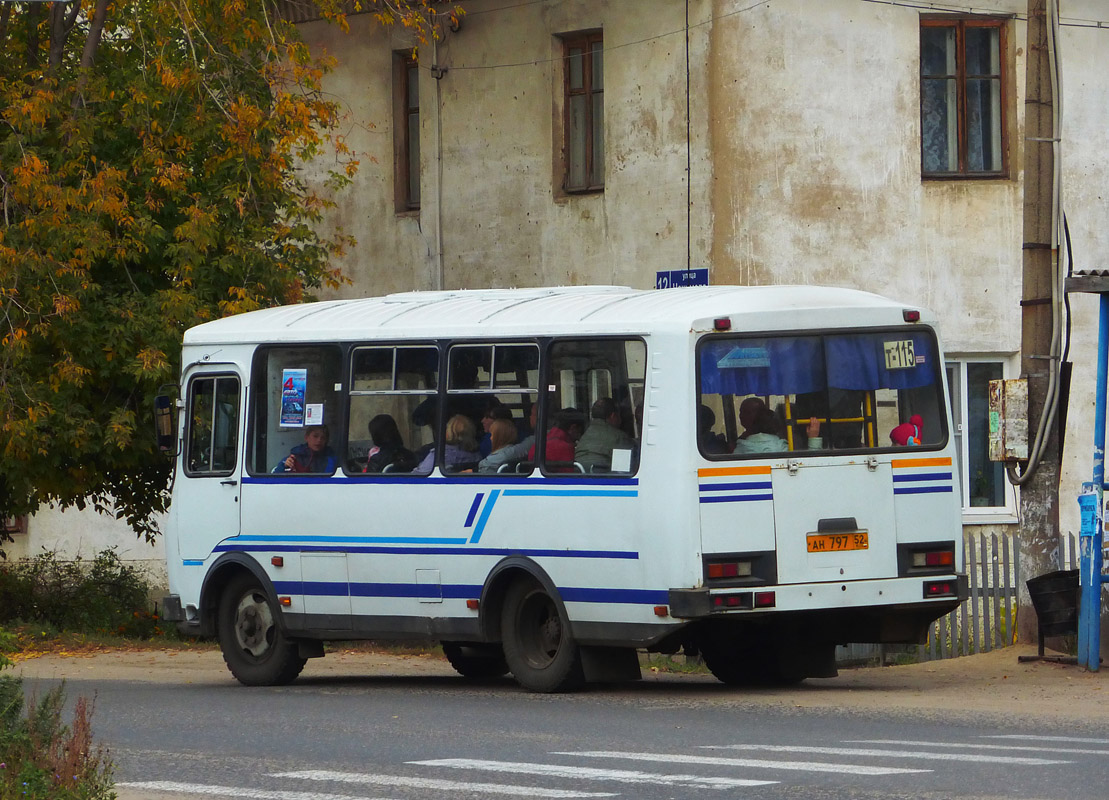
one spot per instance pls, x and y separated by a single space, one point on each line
254 646
538 646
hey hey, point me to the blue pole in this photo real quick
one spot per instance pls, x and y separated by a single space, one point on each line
1090 535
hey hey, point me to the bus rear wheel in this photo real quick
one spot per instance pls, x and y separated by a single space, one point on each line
254 646
475 660
538 646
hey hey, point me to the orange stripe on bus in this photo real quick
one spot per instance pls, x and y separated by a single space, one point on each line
713 472
903 463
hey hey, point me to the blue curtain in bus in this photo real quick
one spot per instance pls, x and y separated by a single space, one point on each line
887 360
788 365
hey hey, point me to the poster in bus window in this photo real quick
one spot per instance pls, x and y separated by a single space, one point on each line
293 383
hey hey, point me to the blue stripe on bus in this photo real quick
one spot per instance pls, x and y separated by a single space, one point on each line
923 476
921 489
247 537
727 487
737 498
438 551
449 591
282 478
190 562
484 518
473 509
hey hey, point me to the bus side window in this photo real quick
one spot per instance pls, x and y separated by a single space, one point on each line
295 389
593 427
392 403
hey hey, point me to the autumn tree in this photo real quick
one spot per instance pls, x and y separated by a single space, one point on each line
150 180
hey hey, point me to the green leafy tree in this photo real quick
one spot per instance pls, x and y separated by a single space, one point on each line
150 180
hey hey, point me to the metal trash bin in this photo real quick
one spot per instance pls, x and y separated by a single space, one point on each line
1054 595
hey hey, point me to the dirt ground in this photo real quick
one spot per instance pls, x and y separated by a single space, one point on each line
994 683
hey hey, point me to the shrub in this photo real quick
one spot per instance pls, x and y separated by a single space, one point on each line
43 759
102 596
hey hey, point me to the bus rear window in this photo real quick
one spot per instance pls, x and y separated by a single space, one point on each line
835 391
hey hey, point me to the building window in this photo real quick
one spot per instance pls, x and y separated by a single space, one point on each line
14 525
584 152
984 486
406 130
962 94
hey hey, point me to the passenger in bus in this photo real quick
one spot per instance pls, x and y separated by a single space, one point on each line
502 434
459 445
388 447
712 443
495 411
568 427
604 434
908 433
312 456
762 434
749 411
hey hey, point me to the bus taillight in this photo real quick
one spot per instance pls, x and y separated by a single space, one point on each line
764 600
941 589
934 558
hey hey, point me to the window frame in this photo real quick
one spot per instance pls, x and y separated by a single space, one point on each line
256 396
960 403
589 42
190 395
738 335
960 23
406 158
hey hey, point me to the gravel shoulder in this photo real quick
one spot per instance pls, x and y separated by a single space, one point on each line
994 683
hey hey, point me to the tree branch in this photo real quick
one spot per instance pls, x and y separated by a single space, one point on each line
61 23
92 42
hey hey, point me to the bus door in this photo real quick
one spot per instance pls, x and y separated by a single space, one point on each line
834 522
207 500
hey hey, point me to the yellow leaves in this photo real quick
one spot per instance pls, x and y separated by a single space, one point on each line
65 304
120 428
152 360
67 372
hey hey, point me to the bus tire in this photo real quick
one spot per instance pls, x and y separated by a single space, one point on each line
729 663
475 661
538 646
254 646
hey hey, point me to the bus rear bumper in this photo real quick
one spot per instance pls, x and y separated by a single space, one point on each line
916 597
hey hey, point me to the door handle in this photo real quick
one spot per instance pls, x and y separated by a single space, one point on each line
229 482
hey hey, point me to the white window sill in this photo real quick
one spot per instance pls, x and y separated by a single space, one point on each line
999 517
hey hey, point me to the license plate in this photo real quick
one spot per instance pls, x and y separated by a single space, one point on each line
837 542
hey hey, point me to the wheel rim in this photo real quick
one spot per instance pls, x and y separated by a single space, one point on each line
540 628
254 624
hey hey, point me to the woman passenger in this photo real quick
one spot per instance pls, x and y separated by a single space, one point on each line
502 433
388 446
460 444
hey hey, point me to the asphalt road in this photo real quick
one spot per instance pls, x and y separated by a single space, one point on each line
409 729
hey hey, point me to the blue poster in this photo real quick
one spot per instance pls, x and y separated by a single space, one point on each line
293 383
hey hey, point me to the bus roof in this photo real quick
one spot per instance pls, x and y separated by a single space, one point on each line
555 310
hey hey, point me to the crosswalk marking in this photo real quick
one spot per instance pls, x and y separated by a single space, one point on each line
237 792
587 773
433 783
799 766
1074 739
975 746
858 751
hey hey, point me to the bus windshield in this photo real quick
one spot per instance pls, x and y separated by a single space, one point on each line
762 395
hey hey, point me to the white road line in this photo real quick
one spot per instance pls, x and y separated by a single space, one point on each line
434 783
858 751
590 774
1075 739
798 766
969 745
237 792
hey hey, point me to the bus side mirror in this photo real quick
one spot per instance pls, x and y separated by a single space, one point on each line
165 427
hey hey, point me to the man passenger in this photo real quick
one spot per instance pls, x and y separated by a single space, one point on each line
604 434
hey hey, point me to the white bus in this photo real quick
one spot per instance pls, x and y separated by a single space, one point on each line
755 474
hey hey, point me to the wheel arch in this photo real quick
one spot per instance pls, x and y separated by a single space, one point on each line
221 573
504 574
